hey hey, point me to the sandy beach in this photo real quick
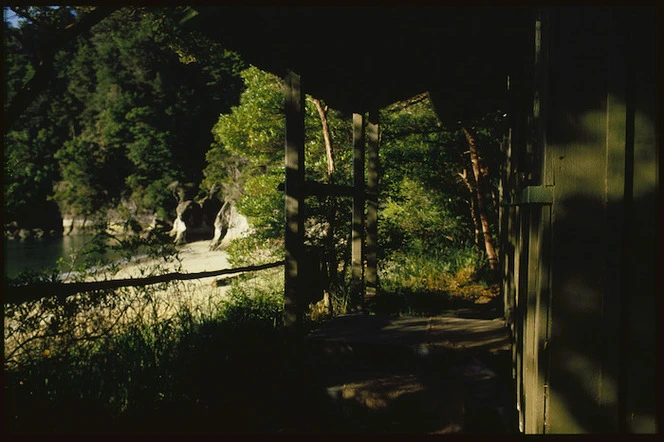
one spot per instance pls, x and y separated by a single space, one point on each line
201 297
195 257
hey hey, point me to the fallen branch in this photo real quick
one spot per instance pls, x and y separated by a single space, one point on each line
33 292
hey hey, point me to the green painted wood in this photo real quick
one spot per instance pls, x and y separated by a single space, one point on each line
294 209
357 237
534 195
578 237
642 285
372 134
587 141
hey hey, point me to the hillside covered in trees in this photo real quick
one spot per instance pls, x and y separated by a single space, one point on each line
132 115
124 120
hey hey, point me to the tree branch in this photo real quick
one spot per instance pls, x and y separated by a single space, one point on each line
62 290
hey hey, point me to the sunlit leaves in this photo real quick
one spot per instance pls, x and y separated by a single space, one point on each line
255 128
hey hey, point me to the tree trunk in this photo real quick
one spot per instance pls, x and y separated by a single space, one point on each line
481 209
486 181
331 204
322 113
473 206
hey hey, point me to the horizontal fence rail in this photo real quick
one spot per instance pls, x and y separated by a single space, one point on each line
32 292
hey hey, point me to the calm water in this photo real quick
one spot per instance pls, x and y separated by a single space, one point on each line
41 253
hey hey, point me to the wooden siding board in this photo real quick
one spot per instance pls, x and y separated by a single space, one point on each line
640 408
577 136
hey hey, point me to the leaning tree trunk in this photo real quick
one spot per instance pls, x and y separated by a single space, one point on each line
481 208
473 206
330 204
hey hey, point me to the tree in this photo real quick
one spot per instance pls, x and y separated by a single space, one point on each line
479 190
248 152
30 168
55 29
135 60
423 206
246 162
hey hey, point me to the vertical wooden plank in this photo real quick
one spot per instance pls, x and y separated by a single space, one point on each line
294 234
357 261
372 204
521 275
643 286
580 339
544 313
530 329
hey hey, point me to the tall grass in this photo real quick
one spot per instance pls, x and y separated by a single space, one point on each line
169 357
415 282
183 357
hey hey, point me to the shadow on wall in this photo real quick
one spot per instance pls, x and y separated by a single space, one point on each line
601 156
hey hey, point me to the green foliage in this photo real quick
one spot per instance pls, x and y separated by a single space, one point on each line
255 128
254 250
263 204
129 112
258 301
424 204
415 219
428 283
121 360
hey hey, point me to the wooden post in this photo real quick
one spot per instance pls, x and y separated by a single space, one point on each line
357 261
294 189
372 204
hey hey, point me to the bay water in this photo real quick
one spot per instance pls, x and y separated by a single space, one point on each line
43 253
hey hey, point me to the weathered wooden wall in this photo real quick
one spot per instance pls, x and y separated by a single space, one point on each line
579 232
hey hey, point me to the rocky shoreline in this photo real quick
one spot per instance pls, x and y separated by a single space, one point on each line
193 222
16 233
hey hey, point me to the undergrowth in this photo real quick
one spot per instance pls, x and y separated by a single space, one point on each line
177 357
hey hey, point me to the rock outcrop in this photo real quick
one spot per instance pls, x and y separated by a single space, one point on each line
36 222
228 224
188 222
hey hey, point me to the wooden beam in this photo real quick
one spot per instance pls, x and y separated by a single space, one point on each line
372 204
357 259
322 190
294 232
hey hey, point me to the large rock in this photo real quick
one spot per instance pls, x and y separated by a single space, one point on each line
228 224
37 220
73 226
52 219
188 217
188 225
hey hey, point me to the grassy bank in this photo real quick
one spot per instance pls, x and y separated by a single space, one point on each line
143 364
187 356
416 283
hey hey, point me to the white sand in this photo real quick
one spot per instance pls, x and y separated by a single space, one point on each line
194 257
199 296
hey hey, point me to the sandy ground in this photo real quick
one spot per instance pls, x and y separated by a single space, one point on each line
200 296
195 257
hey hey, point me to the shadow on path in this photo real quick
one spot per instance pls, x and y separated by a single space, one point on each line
418 375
